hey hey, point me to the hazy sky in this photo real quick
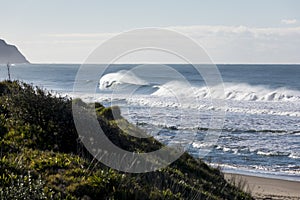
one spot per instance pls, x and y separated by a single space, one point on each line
231 31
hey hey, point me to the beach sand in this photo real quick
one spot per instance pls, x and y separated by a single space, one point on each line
266 188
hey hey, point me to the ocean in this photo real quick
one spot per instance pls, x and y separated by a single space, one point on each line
261 130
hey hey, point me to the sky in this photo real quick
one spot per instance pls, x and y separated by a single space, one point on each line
231 31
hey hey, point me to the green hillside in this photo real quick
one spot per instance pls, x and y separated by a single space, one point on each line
41 156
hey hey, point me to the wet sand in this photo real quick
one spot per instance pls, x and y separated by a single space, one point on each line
266 188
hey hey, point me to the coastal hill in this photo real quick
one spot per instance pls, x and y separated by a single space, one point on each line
10 53
42 156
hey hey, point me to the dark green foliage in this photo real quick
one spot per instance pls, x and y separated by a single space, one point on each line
111 113
3 128
41 156
38 116
26 188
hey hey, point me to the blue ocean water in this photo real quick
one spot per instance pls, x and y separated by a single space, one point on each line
261 132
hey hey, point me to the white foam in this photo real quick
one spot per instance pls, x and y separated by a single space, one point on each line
258 170
233 91
174 88
272 153
295 155
200 145
228 91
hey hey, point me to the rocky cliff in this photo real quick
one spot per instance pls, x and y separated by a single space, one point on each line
11 54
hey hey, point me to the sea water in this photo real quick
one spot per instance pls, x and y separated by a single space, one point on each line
261 129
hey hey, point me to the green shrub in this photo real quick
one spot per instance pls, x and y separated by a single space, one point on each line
48 118
24 187
3 129
111 113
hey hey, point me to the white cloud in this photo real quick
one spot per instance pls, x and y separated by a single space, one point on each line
289 21
236 31
80 35
243 44
224 44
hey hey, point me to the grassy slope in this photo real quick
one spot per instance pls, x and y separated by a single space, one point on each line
41 156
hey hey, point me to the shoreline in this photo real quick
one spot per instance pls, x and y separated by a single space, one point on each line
240 170
268 175
266 188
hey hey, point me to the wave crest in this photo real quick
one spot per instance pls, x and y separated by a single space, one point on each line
113 80
233 91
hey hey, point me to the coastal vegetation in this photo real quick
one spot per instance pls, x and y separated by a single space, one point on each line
42 156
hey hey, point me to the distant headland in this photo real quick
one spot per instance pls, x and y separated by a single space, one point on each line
10 54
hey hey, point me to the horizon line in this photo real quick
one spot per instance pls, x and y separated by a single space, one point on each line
78 63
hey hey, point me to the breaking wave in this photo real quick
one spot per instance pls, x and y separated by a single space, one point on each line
232 91
120 78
